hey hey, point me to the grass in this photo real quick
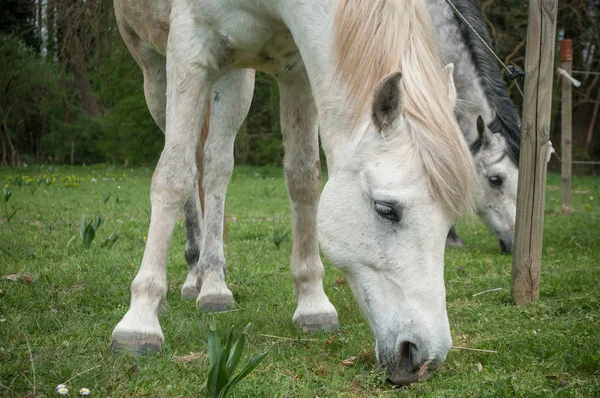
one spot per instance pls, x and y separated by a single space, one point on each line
56 318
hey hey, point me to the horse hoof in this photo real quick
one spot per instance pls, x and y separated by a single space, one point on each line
189 292
455 242
318 323
136 348
214 303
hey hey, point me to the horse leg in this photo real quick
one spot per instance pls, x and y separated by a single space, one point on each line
453 240
189 79
231 99
303 177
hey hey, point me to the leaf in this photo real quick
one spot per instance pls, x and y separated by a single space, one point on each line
28 279
349 361
11 215
240 376
217 377
214 347
105 198
236 353
97 223
110 241
88 235
82 230
7 194
11 277
189 358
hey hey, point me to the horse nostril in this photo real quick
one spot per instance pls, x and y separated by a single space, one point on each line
408 353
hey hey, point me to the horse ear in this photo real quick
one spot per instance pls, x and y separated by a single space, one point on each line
449 70
480 127
387 101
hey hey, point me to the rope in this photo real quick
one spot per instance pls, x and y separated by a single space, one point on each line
457 12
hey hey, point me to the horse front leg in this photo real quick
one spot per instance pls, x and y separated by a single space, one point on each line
189 79
303 177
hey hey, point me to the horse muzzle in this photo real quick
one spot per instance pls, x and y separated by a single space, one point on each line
410 362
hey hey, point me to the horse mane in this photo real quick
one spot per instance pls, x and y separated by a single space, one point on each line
375 37
507 119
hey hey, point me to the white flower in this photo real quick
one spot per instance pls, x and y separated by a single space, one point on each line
85 391
62 390
58 387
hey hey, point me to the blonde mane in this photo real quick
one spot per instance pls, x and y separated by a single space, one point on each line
375 37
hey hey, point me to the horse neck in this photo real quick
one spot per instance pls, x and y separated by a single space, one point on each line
467 79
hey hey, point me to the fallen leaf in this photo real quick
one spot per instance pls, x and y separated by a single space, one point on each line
581 192
340 281
28 279
349 362
189 358
479 367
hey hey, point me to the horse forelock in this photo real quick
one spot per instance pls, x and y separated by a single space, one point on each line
375 37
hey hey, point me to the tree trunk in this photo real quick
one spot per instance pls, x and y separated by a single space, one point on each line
84 88
6 136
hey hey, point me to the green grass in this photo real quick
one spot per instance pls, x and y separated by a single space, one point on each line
60 325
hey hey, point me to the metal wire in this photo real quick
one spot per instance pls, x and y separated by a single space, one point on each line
582 72
575 161
457 12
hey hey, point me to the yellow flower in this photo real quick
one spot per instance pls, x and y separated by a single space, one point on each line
145 238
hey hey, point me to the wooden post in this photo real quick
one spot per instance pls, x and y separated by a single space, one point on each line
566 63
535 129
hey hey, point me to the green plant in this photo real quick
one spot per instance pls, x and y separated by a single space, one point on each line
106 197
6 198
110 241
278 237
88 231
224 360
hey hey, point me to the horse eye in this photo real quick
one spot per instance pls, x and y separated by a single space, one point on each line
387 211
496 181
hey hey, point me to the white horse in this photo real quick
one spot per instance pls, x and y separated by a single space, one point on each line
400 174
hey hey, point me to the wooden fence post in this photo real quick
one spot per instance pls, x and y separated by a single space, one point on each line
566 63
535 130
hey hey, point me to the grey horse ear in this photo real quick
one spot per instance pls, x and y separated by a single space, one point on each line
480 127
387 101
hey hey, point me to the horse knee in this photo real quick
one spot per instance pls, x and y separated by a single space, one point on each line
173 178
304 182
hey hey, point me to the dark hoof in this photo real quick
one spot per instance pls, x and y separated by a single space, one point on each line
189 293
135 348
318 323
216 304
454 242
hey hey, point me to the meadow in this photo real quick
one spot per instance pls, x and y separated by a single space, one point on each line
59 301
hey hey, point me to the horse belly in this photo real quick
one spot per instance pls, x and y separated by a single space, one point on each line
254 35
